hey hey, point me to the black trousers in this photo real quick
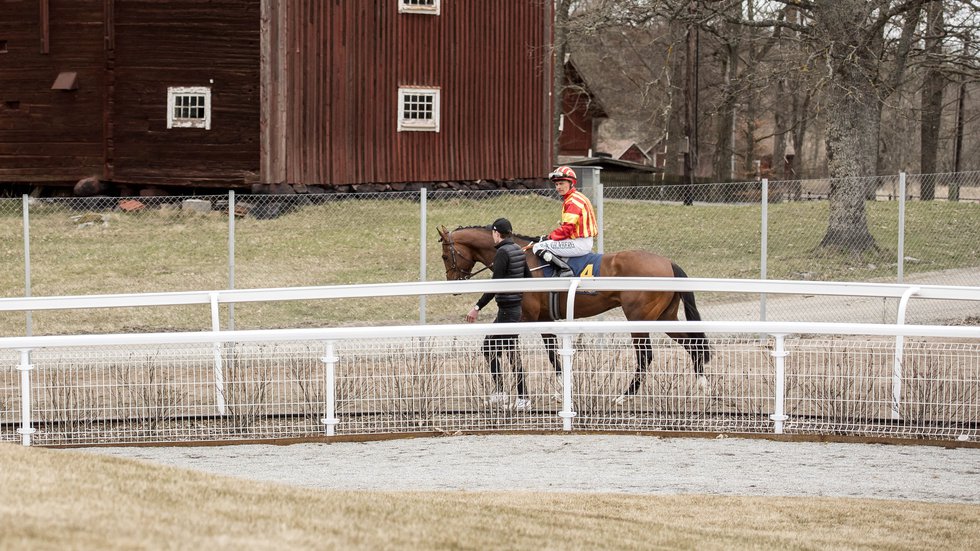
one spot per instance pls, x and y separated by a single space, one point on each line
494 346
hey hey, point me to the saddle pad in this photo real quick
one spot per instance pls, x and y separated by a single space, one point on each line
582 266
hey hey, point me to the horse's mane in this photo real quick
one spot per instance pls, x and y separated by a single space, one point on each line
487 228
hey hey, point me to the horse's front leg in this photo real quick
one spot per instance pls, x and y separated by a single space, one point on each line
644 353
551 345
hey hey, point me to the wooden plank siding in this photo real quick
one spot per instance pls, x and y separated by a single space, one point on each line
51 135
303 92
212 43
346 59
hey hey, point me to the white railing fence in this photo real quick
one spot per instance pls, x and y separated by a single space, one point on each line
895 379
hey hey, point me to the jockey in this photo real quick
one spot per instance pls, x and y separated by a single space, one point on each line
573 236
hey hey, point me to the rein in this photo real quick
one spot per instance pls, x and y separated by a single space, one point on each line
463 275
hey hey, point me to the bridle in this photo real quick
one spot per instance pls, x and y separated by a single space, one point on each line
454 266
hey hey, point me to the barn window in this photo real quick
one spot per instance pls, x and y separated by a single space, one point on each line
418 109
3 46
430 7
189 107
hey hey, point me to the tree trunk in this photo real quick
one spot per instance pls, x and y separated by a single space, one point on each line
852 145
932 100
724 152
853 120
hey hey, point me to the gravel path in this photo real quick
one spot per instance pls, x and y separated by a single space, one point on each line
597 463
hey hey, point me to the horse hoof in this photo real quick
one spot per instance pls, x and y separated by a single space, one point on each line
620 400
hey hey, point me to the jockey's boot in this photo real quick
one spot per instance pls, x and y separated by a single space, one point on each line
562 267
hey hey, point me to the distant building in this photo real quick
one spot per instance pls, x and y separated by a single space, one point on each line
626 150
582 112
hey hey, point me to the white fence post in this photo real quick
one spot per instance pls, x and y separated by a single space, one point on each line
600 208
25 367
330 358
219 377
27 260
423 198
903 304
779 354
901 227
764 245
566 353
231 256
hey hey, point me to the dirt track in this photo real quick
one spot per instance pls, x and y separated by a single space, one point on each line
598 463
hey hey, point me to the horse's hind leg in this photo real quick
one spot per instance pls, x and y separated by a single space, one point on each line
551 345
697 347
644 353
696 344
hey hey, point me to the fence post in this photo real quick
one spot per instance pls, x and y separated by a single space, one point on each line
566 352
901 227
27 261
423 202
764 245
219 376
25 367
900 353
330 359
600 206
779 354
231 256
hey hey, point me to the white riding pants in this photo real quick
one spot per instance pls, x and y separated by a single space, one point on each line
566 247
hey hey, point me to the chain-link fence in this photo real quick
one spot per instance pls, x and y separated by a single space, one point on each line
774 230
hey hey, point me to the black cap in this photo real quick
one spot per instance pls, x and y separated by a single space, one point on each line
502 225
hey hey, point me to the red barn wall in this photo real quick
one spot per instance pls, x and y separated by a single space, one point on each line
334 120
212 43
577 134
51 135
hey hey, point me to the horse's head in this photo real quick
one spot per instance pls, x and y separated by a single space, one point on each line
459 258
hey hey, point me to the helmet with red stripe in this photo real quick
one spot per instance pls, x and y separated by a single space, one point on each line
563 173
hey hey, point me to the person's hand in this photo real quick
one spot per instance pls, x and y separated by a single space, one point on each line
472 315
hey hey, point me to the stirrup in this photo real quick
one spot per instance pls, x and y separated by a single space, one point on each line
561 268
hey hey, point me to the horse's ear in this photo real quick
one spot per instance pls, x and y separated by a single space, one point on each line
443 234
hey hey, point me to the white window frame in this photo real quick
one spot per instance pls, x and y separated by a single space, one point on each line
428 9
174 92
406 124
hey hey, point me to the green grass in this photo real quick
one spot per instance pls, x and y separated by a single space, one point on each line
374 240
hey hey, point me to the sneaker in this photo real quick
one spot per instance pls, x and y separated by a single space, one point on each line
522 404
497 399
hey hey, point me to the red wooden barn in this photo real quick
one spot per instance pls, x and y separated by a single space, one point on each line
581 115
184 95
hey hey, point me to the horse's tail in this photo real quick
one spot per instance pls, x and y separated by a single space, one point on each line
697 343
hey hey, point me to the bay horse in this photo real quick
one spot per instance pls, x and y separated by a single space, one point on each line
464 247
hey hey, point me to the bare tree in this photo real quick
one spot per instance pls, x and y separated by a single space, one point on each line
836 62
932 97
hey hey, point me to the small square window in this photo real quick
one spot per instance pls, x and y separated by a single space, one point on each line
429 7
189 107
418 109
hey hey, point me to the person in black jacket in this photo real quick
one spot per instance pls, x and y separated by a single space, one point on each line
509 262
